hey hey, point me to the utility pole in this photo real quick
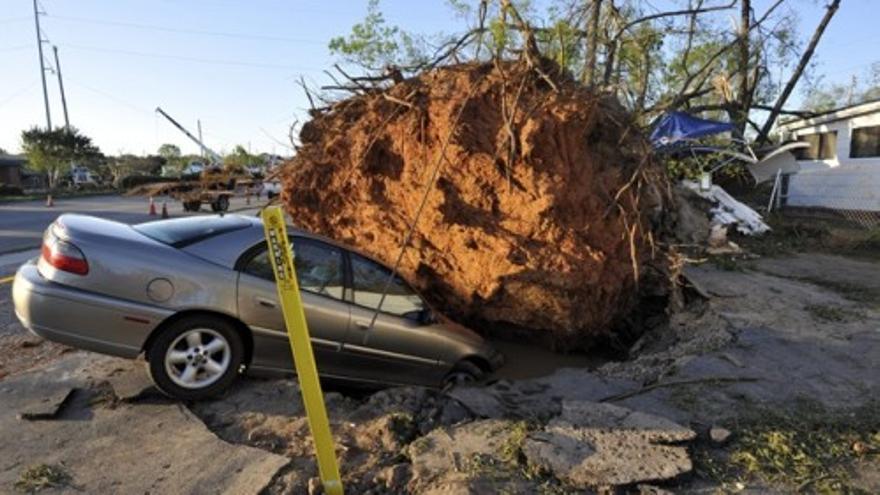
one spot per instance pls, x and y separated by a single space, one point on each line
61 86
42 66
201 146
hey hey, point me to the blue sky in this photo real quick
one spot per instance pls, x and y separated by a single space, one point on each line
118 66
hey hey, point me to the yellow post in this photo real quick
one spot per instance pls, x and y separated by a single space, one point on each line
301 346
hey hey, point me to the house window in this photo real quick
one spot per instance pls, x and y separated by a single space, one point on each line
865 142
823 146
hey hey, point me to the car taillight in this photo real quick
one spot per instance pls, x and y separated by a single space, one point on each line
63 255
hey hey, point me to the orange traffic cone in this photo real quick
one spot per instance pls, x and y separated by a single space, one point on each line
164 210
152 207
49 202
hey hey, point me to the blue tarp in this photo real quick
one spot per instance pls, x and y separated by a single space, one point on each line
676 126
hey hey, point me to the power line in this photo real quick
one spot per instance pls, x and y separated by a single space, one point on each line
190 59
14 19
20 92
16 47
113 98
165 29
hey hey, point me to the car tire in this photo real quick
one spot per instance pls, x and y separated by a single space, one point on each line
463 373
195 357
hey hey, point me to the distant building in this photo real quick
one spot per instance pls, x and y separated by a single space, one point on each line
12 170
80 175
841 168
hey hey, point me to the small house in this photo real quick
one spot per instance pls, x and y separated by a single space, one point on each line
840 169
11 170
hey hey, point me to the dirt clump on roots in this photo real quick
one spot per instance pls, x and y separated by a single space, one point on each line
539 218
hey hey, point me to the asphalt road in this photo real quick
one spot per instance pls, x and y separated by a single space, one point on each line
22 223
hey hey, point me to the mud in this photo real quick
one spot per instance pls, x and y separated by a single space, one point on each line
542 227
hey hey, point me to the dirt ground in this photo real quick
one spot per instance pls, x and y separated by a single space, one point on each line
766 385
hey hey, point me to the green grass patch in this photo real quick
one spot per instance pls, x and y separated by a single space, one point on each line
807 450
41 476
727 263
830 313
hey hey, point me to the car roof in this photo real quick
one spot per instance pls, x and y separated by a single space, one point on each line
226 248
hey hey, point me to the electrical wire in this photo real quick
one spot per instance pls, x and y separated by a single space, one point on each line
15 19
16 47
224 34
19 92
190 59
109 96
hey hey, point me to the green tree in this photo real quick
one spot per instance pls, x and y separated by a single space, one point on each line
239 159
171 154
822 97
371 43
115 168
51 151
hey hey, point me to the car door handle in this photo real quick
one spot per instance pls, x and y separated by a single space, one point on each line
362 325
266 303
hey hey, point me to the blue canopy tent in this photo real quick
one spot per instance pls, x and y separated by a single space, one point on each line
678 133
674 127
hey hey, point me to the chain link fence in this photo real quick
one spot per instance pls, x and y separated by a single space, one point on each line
849 192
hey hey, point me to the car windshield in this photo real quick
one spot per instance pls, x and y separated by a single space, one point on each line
182 232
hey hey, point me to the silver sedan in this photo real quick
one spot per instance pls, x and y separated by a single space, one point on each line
196 295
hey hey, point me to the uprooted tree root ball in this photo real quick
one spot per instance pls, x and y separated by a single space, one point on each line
539 220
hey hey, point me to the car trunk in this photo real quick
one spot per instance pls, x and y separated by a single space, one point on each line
108 249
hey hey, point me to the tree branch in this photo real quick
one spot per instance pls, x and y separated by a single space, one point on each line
796 75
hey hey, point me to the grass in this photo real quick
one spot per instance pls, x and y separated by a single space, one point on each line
855 293
40 476
728 263
810 450
790 234
832 314
403 426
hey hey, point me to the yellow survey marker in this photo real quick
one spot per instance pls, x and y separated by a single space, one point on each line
301 346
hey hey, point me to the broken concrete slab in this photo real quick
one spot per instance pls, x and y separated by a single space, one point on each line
592 444
48 407
507 400
461 458
538 399
163 447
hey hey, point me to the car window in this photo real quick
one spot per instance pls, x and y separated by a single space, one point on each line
369 280
318 267
181 232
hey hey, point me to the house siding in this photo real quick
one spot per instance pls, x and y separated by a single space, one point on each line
840 182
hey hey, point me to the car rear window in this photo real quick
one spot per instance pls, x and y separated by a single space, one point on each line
182 232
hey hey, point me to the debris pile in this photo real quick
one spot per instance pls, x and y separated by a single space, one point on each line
539 217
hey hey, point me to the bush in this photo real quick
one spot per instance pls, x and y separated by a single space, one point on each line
139 180
10 190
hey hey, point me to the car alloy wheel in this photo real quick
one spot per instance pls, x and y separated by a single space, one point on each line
197 358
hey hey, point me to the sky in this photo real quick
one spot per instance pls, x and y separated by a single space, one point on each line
233 64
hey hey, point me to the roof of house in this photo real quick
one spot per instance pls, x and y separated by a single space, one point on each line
842 113
12 161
